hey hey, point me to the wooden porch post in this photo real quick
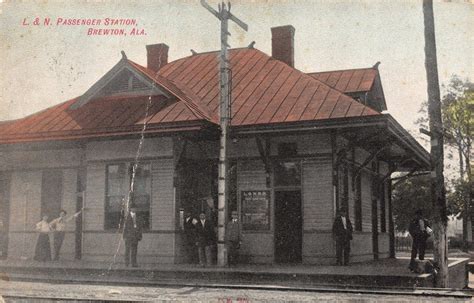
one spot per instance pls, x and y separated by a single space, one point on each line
375 231
391 226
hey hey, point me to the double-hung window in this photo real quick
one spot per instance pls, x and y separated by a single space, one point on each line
118 190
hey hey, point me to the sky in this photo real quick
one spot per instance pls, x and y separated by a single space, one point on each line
43 65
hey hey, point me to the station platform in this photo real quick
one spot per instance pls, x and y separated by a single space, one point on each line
386 273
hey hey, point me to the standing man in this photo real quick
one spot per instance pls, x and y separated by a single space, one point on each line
205 239
419 230
58 226
132 234
232 238
342 232
190 237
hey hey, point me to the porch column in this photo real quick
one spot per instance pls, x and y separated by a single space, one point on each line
391 227
375 231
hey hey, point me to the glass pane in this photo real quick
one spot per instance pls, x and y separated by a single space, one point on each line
116 177
142 183
115 203
288 174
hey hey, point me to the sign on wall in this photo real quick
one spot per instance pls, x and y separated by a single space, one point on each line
255 209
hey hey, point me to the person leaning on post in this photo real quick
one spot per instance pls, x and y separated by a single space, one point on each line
342 232
420 231
58 226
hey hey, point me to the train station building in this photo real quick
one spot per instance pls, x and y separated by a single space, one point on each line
301 146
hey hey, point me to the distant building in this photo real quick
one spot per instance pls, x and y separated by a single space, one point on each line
303 144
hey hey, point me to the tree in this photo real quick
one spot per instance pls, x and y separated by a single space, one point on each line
458 196
458 119
408 196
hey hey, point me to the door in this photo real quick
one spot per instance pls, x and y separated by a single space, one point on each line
4 216
288 226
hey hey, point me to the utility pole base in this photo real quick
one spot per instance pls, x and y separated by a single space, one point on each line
221 255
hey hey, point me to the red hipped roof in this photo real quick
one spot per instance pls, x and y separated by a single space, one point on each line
264 91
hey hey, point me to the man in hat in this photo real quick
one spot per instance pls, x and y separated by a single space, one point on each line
232 238
132 234
419 230
342 232
190 237
206 239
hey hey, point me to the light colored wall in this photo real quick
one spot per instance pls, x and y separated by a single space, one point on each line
94 198
318 247
307 144
318 211
104 247
163 212
127 149
40 159
25 212
100 244
366 187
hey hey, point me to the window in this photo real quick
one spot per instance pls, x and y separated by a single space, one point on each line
286 150
119 182
142 193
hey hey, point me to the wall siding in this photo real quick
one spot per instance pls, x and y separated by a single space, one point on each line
163 205
110 248
19 160
25 200
317 195
366 201
127 149
95 197
25 212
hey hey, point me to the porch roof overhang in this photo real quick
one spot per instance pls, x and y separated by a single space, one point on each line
379 133
78 136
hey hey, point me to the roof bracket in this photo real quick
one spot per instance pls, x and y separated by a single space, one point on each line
401 179
369 159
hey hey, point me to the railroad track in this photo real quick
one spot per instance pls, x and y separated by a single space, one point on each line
455 294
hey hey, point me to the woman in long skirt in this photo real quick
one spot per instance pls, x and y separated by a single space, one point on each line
43 247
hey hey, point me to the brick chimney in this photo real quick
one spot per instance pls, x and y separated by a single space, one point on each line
157 56
283 44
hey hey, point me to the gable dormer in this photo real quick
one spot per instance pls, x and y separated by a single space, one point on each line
121 81
363 85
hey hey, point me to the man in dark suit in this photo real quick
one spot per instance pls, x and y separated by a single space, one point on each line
189 237
342 232
206 239
419 230
132 234
232 238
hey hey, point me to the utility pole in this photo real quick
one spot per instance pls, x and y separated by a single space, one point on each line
438 191
223 15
